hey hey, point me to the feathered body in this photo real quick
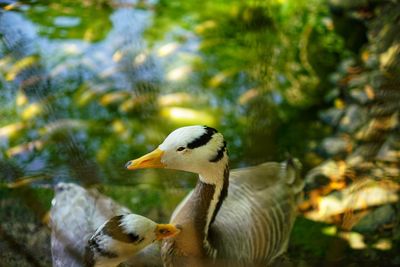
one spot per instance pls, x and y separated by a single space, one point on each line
75 215
86 231
238 218
253 224
261 210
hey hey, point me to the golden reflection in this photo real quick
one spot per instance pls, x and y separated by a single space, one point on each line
329 230
355 240
113 98
167 49
369 91
119 127
11 130
140 59
27 180
117 56
339 104
133 102
71 49
32 110
205 26
248 96
383 244
11 6
85 96
20 65
365 55
89 35
21 98
219 78
390 56
27 147
179 73
178 98
187 115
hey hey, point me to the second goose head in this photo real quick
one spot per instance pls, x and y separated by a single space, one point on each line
121 237
197 149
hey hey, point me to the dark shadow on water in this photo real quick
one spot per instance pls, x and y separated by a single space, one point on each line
316 245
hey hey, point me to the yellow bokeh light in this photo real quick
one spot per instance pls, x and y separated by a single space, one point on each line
117 56
167 49
178 73
20 65
187 115
32 110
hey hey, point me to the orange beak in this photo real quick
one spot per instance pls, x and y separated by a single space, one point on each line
166 230
150 160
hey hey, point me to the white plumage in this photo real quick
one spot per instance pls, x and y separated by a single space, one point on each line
242 217
90 229
75 215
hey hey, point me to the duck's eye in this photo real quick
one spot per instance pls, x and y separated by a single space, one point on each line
181 148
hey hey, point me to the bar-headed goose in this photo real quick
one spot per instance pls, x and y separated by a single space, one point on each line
243 217
77 213
121 237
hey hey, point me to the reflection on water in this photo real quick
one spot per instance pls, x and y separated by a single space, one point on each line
98 101
87 86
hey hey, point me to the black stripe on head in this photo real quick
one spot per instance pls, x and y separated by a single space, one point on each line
203 139
114 229
220 153
93 246
133 237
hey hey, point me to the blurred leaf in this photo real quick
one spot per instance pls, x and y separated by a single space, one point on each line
20 66
184 116
24 181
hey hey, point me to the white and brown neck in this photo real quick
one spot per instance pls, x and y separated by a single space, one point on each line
197 214
212 190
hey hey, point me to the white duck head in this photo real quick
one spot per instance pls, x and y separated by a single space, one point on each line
197 149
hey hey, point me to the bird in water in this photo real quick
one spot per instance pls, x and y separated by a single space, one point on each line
91 230
241 217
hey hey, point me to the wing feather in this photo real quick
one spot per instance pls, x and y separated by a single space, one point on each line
254 222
